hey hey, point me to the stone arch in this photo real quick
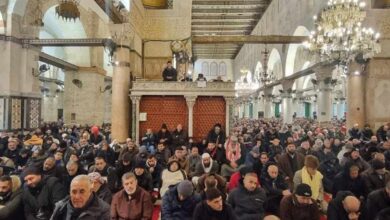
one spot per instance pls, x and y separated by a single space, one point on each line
275 64
2 24
293 50
307 82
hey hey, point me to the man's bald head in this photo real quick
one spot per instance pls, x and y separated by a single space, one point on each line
80 191
271 217
352 206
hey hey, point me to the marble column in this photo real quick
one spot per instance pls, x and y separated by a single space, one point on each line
340 109
135 100
190 100
324 102
120 92
247 105
229 114
287 104
355 97
268 107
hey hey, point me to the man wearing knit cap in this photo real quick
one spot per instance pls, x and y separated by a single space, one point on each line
214 207
144 178
179 202
299 205
377 176
100 187
40 194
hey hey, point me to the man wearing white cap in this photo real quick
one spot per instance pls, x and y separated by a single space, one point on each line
206 166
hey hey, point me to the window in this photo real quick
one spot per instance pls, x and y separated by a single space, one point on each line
213 69
205 68
222 69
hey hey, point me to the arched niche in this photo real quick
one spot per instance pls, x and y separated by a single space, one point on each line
295 50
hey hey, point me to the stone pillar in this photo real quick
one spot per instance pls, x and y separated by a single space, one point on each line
190 104
268 107
120 92
340 109
287 107
324 98
355 96
246 109
229 114
135 100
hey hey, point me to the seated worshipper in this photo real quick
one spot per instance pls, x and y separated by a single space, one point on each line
349 179
235 157
107 152
378 201
194 158
86 153
376 177
305 148
179 137
130 148
237 177
82 203
149 141
95 137
310 175
205 166
73 169
162 154
155 169
169 73
172 175
299 205
107 172
329 169
217 153
275 187
144 178
59 159
325 152
275 149
50 169
132 202
179 156
125 165
201 77
254 153
260 163
248 199
40 194
179 202
163 135
344 206
214 207
217 135
11 206
354 157
100 188
208 181
289 163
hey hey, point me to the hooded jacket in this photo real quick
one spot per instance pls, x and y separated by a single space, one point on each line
336 210
343 182
13 208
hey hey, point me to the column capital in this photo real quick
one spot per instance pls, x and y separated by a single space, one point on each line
190 100
121 34
323 72
229 100
135 99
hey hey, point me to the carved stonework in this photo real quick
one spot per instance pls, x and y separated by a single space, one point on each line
183 88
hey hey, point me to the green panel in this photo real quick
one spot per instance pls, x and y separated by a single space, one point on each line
250 110
277 110
307 109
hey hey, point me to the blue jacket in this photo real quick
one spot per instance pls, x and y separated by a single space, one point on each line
173 209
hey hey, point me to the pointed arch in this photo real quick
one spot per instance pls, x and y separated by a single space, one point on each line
293 49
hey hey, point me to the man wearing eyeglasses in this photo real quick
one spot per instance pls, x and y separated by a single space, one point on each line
344 206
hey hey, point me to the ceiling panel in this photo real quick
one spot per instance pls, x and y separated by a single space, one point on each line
224 17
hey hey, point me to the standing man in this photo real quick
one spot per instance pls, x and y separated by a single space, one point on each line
82 203
169 73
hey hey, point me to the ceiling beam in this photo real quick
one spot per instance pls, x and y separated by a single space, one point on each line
222 28
234 17
249 39
228 11
238 3
222 23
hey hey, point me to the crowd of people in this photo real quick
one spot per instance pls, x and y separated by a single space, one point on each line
263 169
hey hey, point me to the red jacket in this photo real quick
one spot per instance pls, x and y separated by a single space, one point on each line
235 179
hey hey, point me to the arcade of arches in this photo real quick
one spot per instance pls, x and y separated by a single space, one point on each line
104 68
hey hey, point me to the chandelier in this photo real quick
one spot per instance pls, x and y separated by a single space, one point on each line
266 76
68 10
339 35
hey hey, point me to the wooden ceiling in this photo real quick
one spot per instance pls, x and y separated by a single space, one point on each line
224 18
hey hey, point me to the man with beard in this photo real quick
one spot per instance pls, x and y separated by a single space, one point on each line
163 135
206 166
179 136
216 135
50 169
213 208
248 199
108 173
73 169
12 151
155 169
10 198
299 205
132 202
40 194
179 156
124 165
290 162
85 153
144 178
130 149
370 148
82 203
